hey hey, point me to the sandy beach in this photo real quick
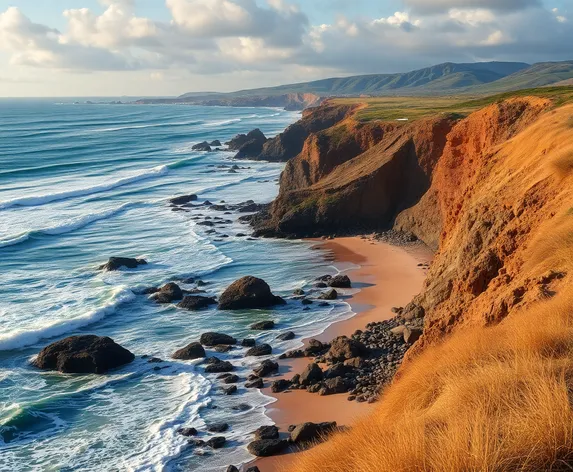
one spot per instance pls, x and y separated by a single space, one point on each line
387 276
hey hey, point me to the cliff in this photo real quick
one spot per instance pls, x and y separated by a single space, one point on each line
487 386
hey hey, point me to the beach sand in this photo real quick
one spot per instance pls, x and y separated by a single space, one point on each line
388 276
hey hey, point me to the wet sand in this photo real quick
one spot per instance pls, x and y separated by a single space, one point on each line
388 276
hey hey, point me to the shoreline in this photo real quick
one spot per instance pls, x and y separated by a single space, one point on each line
387 276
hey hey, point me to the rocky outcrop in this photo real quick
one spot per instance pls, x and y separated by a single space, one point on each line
196 302
118 263
190 352
87 354
355 177
248 146
217 339
248 293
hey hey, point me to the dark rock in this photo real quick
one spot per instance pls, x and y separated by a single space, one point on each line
217 442
338 370
204 146
253 469
330 295
343 348
267 432
340 281
168 293
298 291
247 342
241 407
215 143
215 339
232 468
260 350
184 199
263 325
267 447
286 336
196 302
230 390
218 427
197 442
334 386
280 385
231 379
306 301
315 347
312 374
190 352
219 367
206 223
258 383
117 263
187 432
320 285
413 312
324 278
246 293
87 354
267 367
311 432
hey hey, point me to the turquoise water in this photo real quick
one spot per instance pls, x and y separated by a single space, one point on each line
80 183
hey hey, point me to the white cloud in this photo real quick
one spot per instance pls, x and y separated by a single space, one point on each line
274 39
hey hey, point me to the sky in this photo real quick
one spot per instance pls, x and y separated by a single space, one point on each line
113 48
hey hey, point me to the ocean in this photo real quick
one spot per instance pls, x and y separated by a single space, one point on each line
80 183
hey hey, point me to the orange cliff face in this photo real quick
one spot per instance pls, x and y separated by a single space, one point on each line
488 386
476 190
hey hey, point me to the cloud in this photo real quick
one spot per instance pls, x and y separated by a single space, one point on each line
441 6
275 39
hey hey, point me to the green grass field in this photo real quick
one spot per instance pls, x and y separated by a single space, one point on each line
414 108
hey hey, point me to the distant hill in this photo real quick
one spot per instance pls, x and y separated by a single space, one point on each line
480 78
442 77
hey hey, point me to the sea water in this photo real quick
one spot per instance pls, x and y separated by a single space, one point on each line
82 182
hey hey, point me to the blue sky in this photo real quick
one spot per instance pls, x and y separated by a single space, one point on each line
168 47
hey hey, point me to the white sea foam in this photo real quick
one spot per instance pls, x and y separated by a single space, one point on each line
52 197
67 226
23 338
223 122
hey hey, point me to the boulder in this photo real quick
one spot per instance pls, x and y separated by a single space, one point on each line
330 295
412 311
266 368
190 352
260 350
343 348
168 293
217 442
340 281
263 326
215 143
253 469
280 386
216 339
267 432
231 379
334 386
315 347
87 354
286 336
247 293
298 292
118 263
312 374
311 432
183 199
306 301
196 302
230 390
257 383
248 342
338 370
187 432
267 447
218 427
219 367
204 146
248 146
232 468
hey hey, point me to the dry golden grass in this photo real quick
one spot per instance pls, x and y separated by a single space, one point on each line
493 400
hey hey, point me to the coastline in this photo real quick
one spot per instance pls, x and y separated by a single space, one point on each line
387 276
